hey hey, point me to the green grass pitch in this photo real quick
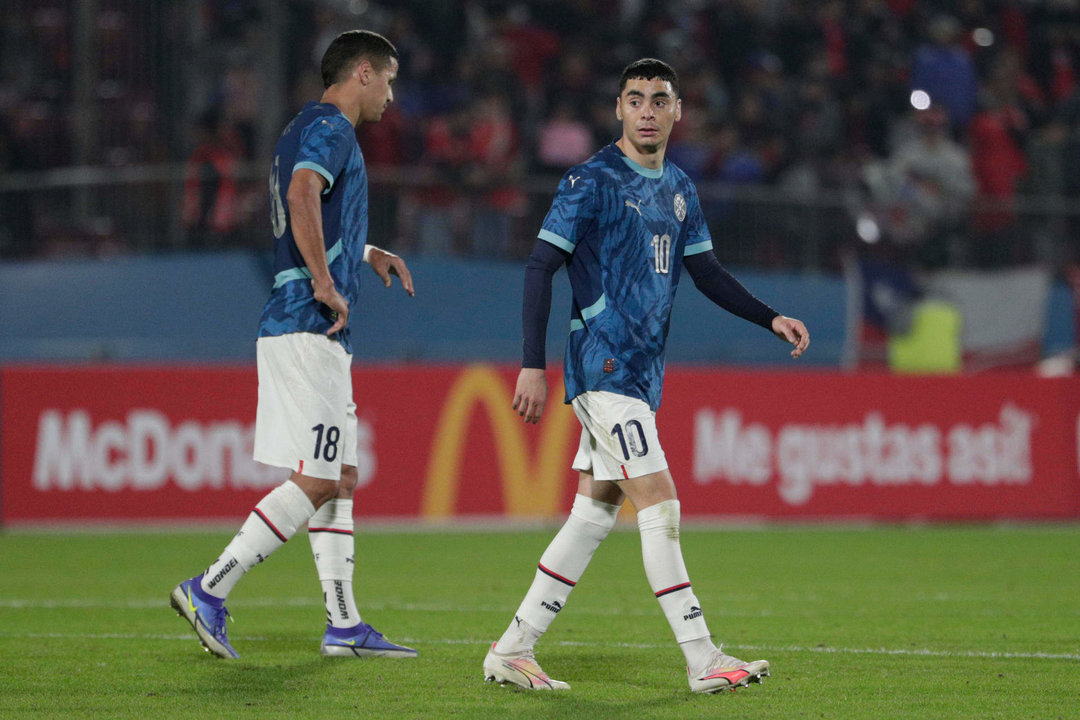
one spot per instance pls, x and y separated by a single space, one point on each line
880 622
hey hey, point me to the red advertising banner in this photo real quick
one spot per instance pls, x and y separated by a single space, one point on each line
876 446
441 442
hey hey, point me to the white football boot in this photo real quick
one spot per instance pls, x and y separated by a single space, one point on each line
519 669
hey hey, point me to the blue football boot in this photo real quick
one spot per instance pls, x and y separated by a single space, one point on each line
206 614
361 641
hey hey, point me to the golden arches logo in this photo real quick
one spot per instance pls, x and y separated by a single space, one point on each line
530 488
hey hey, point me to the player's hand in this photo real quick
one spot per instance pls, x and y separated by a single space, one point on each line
530 395
792 331
386 264
329 296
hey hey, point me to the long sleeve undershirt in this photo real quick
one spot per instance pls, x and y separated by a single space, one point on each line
705 269
544 260
722 288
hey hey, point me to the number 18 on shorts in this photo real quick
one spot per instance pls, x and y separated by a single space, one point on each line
306 418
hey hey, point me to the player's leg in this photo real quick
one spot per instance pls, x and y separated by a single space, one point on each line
708 668
275 519
330 531
562 564
298 375
629 451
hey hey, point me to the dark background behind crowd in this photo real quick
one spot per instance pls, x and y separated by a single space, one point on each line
936 133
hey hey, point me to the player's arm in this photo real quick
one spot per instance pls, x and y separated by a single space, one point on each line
305 213
720 286
530 394
385 264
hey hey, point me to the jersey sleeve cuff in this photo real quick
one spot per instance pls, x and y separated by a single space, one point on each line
307 165
557 240
698 247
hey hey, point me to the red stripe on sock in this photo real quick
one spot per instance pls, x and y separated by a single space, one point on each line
270 525
672 589
330 530
557 576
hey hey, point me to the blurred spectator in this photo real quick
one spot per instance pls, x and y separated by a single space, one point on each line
383 143
564 140
383 147
943 68
495 166
794 94
433 212
999 163
830 16
819 126
211 210
529 46
922 191
872 112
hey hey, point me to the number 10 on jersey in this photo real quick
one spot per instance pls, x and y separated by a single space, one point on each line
662 253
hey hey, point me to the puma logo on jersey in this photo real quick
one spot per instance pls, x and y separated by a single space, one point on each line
636 207
573 180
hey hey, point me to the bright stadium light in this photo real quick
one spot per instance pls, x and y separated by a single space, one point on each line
867 228
920 99
983 37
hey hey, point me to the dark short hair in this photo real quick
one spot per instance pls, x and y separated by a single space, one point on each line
647 69
351 47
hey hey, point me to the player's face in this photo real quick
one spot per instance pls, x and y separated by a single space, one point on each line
380 91
648 110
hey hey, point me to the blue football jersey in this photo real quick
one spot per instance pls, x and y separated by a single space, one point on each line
627 228
322 139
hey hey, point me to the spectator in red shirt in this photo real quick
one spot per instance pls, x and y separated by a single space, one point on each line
998 164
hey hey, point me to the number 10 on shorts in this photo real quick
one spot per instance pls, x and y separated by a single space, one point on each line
329 449
633 435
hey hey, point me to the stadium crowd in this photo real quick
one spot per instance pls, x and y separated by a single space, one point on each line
927 119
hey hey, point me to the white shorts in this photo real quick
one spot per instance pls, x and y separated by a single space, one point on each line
618 437
306 418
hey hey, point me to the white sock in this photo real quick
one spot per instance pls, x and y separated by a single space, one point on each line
330 531
561 566
664 566
273 521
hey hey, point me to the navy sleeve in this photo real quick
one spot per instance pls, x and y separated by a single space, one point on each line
544 260
722 288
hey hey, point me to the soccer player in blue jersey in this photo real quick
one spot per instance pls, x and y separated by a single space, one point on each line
626 222
306 417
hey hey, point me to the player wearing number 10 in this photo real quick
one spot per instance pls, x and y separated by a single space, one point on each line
306 417
625 223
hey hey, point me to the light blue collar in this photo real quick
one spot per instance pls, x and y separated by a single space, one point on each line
641 169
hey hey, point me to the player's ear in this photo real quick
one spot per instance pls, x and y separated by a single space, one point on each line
363 72
678 109
618 108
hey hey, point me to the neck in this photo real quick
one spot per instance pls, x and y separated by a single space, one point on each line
652 158
349 107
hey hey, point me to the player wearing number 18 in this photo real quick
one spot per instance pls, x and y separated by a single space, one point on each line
306 417
626 223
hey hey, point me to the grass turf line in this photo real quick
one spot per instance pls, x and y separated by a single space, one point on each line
870 623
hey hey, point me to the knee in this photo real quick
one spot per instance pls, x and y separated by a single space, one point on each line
598 517
662 518
325 490
318 490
